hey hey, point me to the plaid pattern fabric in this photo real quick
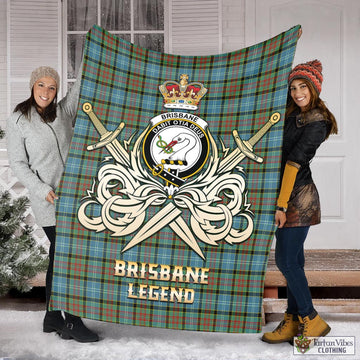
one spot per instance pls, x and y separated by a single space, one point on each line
208 282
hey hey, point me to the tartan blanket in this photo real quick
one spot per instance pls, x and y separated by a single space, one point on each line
166 209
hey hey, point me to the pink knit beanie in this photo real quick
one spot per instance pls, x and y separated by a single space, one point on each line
311 71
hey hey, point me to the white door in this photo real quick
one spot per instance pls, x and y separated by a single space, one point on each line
331 33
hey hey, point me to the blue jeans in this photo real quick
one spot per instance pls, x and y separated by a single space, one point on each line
289 257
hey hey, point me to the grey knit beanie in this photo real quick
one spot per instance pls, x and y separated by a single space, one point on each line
44 71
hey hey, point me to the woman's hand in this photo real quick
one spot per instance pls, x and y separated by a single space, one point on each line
51 197
280 218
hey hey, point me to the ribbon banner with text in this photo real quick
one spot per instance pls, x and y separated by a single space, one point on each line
166 209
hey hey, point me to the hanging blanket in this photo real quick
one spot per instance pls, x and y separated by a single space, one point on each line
166 210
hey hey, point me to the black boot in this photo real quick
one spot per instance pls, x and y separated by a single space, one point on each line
53 321
75 329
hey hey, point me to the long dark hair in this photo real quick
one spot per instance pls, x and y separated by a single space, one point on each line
315 102
48 115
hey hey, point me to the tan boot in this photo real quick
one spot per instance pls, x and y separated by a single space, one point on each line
285 331
314 327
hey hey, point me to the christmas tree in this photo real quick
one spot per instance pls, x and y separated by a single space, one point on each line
21 257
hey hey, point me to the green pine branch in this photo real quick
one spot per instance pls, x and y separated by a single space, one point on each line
21 256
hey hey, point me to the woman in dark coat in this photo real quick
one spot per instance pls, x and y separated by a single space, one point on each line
308 123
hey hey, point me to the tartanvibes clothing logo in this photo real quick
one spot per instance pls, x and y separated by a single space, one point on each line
329 345
175 147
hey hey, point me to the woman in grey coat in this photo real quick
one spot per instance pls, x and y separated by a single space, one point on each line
39 133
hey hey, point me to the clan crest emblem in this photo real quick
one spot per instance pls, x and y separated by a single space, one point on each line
175 147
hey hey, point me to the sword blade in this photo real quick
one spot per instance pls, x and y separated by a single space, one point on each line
164 217
181 228
230 161
118 152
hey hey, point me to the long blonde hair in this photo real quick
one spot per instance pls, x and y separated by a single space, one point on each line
315 102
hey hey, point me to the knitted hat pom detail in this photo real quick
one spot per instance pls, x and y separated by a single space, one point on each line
316 64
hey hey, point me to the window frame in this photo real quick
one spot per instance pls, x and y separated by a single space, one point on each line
65 32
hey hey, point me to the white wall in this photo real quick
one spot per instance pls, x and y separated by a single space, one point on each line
331 31
233 25
3 74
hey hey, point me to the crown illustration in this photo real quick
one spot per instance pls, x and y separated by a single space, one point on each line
182 95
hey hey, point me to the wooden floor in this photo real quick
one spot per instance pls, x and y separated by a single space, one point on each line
32 301
323 268
332 259
336 270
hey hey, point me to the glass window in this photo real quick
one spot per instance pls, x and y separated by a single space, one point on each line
138 21
81 14
75 46
148 14
116 15
150 41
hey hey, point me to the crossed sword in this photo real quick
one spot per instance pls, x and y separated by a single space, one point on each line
169 214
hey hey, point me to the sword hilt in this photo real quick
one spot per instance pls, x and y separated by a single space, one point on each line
245 147
274 118
106 137
87 108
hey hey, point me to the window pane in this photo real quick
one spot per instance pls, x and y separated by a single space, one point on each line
126 37
148 14
150 41
81 14
75 51
115 14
